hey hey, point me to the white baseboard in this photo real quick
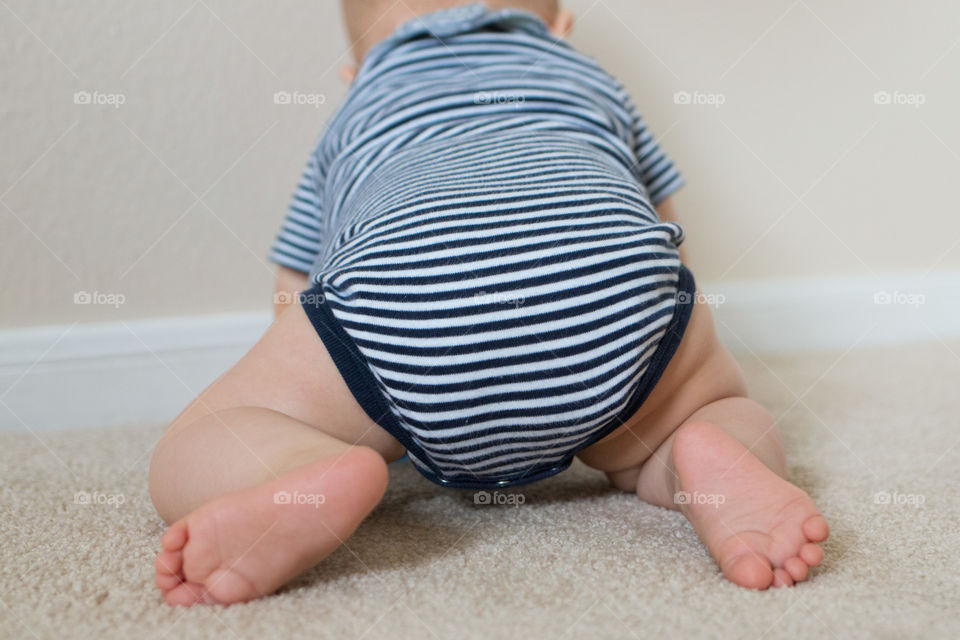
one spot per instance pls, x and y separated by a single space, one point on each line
793 315
57 377
61 377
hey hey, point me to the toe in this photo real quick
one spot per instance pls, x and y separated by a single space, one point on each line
166 582
797 569
811 554
175 536
228 586
186 594
168 562
781 578
749 570
167 566
816 528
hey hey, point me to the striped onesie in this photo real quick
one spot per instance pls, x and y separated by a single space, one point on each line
487 269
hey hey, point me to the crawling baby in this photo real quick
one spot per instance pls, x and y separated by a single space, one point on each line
480 269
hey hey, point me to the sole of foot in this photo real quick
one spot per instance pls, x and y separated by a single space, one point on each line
249 543
761 530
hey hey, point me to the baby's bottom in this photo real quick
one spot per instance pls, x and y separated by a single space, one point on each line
275 464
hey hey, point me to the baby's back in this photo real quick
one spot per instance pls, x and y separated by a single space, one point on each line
427 115
487 246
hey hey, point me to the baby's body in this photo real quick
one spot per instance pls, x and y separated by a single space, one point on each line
393 348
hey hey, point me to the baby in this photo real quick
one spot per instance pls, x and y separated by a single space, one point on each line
495 287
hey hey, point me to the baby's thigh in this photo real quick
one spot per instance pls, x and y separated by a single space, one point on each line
700 372
289 370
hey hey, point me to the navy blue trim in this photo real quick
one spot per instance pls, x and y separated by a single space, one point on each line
526 478
683 309
364 386
353 367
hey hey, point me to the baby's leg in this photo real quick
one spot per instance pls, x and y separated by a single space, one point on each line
701 446
266 473
724 469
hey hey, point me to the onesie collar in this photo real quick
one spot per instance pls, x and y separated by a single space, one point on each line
445 23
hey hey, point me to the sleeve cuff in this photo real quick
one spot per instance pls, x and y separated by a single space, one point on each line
289 261
667 189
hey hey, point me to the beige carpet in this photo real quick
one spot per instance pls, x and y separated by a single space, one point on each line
576 560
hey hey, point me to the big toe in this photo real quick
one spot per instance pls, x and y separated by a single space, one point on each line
228 586
749 570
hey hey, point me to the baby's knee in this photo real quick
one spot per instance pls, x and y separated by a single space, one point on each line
695 434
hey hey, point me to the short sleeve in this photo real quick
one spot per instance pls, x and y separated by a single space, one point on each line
657 172
300 239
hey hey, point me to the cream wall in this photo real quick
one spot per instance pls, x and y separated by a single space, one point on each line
171 199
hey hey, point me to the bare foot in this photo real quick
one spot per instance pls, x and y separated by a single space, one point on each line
247 544
760 529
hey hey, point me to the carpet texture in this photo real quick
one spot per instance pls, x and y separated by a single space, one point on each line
871 435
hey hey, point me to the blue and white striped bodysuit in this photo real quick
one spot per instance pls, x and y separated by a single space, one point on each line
488 272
